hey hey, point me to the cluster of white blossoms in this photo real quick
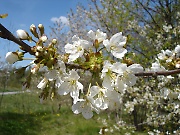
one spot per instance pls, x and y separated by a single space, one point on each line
116 76
116 85
169 56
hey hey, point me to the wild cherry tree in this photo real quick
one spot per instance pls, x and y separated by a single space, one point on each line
106 58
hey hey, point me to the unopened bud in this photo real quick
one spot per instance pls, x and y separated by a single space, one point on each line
96 44
33 30
41 29
37 54
12 57
43 38
22 34
54 41
39 48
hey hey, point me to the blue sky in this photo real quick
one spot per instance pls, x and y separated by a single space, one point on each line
23 13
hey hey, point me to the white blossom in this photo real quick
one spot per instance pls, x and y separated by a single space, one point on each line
98 35
116 45
76 49
85 106
101 101
157 67
167 28
71 85
165 55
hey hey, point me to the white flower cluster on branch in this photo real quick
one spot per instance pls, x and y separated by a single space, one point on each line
114 81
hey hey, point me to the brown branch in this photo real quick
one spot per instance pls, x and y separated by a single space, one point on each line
6 34
155 74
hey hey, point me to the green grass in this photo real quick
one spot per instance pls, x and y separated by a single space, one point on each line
22 114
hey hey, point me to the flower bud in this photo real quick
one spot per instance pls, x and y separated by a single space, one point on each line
37 54
22 34
39 48
54 41
33 30
12 57
41 29
43 38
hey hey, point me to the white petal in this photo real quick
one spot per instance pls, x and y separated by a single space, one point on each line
94 90
107 82
74 94
100 36
85 44
69 48
118 39
135 68
87 112
131 80
64 88
42 84
120 85
73 57
107 44
98 102
74 75
119 68
79 86
75 38
91 34
119 53
76 108
107 66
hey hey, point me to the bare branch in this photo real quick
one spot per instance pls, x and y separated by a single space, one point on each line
6 34
163 73
146 9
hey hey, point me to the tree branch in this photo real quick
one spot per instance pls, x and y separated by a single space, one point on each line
145 8
6 34
155 74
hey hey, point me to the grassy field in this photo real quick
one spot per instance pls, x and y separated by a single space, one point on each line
22 114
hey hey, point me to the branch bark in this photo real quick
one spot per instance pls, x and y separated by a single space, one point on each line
155 74
6 34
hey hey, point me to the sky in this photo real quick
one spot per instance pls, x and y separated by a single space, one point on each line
23 13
